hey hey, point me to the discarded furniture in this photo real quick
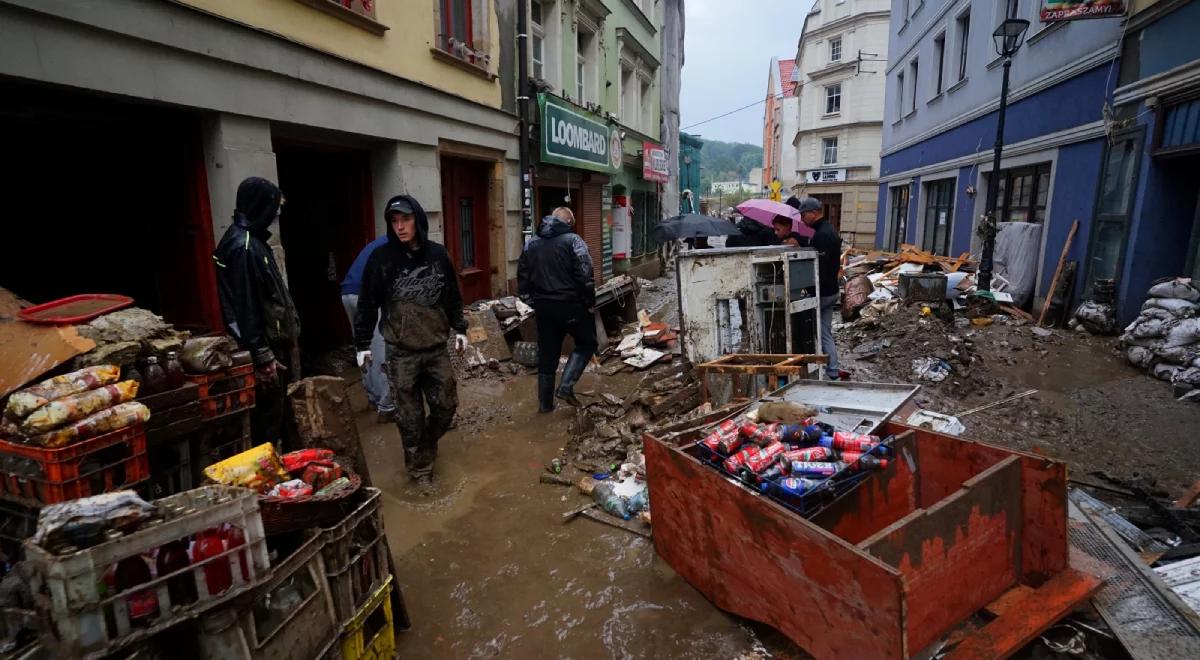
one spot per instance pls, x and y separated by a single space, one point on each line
753 369
748 300
889 568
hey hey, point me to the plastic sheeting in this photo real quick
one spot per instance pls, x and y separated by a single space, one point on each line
1018 247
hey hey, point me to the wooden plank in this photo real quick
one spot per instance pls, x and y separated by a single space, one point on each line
1189 498
1024 621
1012 597
947 462
1044 547
752 557
959 554
1062 259
1017 312
880 501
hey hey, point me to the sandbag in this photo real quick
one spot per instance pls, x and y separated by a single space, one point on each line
1179 288
1188 376
1178 307
25 401
1151 328
1096 318
1185 332
1178 354
77 406
1165 371
1140 356
1152 343
1016 257
204 355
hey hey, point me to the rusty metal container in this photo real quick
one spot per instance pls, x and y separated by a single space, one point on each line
885 570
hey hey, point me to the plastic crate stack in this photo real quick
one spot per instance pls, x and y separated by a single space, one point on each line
225 392
33 476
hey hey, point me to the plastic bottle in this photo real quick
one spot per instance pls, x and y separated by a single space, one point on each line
609 501
173 557
234 538
174 371
217 575
154 379
133 374
639 501
142 605
869 462
809 454
779 469
851 441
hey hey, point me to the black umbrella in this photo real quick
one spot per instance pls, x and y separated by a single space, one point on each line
693 225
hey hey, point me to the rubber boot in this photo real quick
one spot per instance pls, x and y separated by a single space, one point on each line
545 393
571 373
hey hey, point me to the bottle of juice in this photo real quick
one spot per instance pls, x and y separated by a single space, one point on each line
217 575
143 605
173 557
154 379
174 371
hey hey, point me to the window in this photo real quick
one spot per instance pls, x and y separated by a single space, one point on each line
582 82
964 31
537 39
939 51
833 99
466 221
899 95
939 216
647 105
1021 195
829 150
645 217
897 218
457 24
913 70
835 49
629 92
1118 180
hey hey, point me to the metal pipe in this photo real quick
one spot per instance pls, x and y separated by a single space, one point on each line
523 98
989 215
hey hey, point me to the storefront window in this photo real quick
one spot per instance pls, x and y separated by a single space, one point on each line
939 214
1023 192
897 217
1117 182
645 217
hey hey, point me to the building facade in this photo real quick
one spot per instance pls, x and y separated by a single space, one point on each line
780 117
840 106
155 111
598 68
1147 217
943 89
689 173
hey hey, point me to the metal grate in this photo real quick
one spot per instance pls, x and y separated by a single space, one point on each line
1149 620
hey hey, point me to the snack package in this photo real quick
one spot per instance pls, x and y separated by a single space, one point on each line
291 489
341 483
258 468
23 402
296 461
105 421
77 406
320 474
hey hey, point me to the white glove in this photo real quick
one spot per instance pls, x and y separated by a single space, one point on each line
363 358
461 343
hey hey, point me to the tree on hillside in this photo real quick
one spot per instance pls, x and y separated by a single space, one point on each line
727 161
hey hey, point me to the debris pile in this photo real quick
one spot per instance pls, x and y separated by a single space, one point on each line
127 337
1165 337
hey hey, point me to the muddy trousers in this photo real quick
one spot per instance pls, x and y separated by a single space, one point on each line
268 418
420 379
556 320
829 307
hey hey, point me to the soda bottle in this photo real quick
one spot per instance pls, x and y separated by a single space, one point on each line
639 501
792 486
174 371
234 538
869 462
851 441
217 575
798 434
809 454
173 557
143 605
781 468
609 501
814 469
154 379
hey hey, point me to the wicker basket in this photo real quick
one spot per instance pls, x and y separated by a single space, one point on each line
282 515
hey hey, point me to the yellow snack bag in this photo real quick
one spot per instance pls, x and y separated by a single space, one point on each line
258 468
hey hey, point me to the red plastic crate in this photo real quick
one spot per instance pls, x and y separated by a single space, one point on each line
224 404
63 463
221 382
95 469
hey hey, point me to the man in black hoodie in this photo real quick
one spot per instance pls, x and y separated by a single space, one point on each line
413 283
258 310
555 276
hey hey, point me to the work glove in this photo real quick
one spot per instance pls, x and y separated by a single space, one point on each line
363 358
460 343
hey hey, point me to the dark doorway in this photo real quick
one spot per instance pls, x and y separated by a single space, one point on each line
325 222
939 217
552 197
831 204
104 196
466 221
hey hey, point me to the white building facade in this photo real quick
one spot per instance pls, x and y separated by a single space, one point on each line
840 105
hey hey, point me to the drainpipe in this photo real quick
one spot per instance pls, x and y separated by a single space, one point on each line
523 93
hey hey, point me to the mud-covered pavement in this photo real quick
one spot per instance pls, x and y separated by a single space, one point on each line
489 569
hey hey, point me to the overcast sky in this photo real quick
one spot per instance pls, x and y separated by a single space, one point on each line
727 54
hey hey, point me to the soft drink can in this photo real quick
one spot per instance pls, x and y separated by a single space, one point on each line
850 456
722 441
815 469
757 459
810 454
793 485
799 434
852 441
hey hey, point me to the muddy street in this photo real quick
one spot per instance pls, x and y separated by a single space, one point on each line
489 569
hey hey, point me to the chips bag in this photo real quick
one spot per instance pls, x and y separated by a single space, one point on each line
258 468
105 421
77 406
23 402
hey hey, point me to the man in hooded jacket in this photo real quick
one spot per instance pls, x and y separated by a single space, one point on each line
258 310
555 276
410 287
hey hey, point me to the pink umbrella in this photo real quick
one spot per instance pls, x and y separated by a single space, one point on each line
765 210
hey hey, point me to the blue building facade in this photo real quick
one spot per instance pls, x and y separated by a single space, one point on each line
943 89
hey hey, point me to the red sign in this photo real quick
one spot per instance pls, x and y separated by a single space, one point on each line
1057 10
654 163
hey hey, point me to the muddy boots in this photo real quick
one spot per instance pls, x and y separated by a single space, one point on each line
545 391
576 363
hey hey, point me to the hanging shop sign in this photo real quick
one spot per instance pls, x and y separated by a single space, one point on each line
577 138
1056 10
654 163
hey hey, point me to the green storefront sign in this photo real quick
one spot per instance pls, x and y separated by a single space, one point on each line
577 138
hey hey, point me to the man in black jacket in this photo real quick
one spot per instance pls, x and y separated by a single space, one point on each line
412 282
828 244
555 276
258 310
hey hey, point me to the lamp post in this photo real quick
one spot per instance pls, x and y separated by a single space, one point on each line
1008 37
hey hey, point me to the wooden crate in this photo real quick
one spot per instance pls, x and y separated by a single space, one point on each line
947 528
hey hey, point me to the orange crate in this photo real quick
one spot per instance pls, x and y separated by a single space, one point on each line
104 467
221 382
62 464
224 404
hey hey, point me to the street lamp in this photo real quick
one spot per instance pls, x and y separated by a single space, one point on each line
1008 37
